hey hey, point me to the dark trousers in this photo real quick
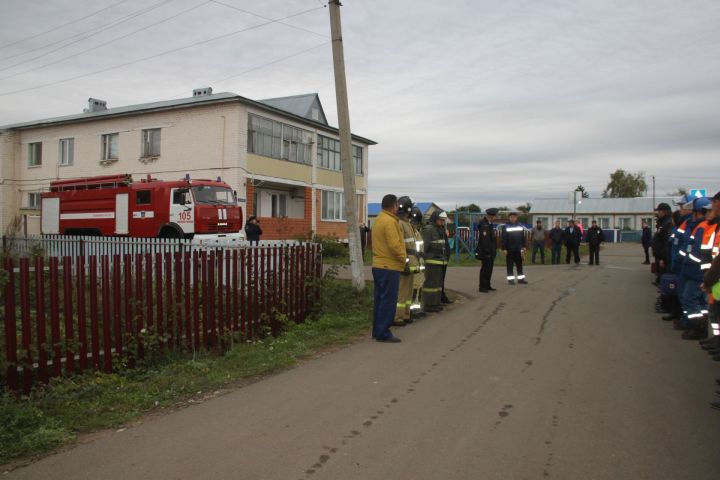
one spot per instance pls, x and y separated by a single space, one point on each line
538 246
486 271
575 251
647 253
556 250
594 254
432 287
387 284
442 289
514 258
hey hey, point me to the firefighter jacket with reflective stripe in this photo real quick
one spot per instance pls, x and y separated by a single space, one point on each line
417 261
434 240
595 236
410 248
661 239
679 240
513 237
388 246
699 249
487 240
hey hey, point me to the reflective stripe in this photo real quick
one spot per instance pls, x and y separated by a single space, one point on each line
400 305
514 229
436 262
409 239
704 312
705 266
683 253
694 258
681 230
695 315
521 277
511 278
438 241
432 289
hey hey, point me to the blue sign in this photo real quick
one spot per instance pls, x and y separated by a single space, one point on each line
698 192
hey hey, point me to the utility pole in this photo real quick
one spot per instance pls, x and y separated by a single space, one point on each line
653 180
348 170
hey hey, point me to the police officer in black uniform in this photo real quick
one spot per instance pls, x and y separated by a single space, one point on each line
486 249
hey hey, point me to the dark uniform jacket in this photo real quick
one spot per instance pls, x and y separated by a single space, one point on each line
253 231
573 238
434 241
595 236
556 235
646 237
661 239
487 240
513 237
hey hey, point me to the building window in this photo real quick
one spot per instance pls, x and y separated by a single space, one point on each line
357 154
278 140
279 205
328 153
563 221
625 223
151 142
604 222
584 222
35 154
33 200
67 151
544 221
143 197
110 146
333 206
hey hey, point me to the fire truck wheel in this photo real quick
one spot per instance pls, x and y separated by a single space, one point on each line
170 231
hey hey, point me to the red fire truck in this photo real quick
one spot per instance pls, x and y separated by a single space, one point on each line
115 205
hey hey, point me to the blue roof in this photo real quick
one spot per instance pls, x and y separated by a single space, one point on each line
374 208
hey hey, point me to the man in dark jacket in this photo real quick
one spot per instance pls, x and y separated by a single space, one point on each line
486 249
594 239
646 240
572 242
253 230
556 237
513 240
661 239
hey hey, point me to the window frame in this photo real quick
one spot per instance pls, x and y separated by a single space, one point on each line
33 205
278 140
34 153
148 142
107 146
66 151
332 206
358 160
140 197
278 205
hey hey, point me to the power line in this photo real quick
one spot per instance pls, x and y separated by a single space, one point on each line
266 18
91 33
226 35
108 42
61 26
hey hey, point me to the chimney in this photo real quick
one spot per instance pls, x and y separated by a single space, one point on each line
201 92
95 105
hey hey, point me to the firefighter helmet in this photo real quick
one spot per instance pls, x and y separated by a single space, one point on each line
416 215
405 205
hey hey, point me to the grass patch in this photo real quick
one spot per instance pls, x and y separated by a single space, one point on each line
54 415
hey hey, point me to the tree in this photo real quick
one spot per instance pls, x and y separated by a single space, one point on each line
680 192
624 184
466 219
524 212
581 189
469 208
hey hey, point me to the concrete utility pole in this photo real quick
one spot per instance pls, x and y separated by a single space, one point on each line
348 170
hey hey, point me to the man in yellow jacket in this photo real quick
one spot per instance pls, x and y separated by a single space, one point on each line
389 259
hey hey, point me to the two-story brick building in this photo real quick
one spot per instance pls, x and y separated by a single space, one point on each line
280 155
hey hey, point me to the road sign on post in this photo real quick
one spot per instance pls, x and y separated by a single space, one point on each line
698 192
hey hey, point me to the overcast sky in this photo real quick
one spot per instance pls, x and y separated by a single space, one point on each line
494 103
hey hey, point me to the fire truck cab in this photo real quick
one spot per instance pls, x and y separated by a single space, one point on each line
114 205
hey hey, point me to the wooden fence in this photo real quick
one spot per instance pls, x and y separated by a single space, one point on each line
66 315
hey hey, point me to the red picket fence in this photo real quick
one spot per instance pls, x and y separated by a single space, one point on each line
66 316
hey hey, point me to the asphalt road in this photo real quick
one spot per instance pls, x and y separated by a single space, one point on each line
571 377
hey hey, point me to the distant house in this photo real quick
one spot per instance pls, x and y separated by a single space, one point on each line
425 207
610 213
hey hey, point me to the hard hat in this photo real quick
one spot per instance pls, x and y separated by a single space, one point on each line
416 215
702 203
405 204
443 215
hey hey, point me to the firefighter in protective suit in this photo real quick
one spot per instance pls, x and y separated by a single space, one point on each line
402 312
417 265
435 259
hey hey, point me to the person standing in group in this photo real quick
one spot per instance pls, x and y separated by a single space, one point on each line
486 249
402 312
389 260
443 297
646 241
573 237
416 307
594 238
513 242
661 239
253 230
435 259
538 239
556 237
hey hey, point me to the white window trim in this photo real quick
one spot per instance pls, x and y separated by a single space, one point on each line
36 165
62 151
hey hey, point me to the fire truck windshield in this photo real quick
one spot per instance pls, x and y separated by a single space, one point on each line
210 195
